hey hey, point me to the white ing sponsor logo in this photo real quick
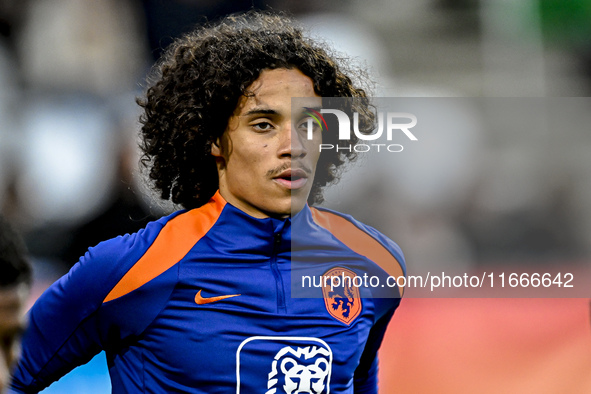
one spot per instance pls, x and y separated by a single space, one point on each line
304 370
394 121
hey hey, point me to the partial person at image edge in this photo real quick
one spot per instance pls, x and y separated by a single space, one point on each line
15 286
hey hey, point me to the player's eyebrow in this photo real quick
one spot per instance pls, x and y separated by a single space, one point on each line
261 111
313 108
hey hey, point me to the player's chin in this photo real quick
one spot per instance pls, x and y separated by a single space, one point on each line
298 202
288 202
286 207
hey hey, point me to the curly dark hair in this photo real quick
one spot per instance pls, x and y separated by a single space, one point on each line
196 87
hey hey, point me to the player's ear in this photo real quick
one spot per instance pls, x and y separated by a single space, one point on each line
221 148
216 149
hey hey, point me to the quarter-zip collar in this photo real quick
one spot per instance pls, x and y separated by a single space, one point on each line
242 230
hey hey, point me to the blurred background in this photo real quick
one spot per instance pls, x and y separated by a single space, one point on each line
69 74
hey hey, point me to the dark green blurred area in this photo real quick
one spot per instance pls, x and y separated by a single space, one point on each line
566 21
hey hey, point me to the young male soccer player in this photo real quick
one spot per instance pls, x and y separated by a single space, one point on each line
15 283
199 301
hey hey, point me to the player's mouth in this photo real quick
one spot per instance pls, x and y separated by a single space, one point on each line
292 178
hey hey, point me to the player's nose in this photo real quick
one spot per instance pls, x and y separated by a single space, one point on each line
292 144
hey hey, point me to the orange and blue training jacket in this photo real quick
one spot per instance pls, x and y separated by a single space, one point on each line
212 300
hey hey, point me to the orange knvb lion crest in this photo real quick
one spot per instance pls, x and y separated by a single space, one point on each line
341 296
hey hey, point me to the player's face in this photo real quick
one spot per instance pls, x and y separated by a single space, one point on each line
266 164
12 305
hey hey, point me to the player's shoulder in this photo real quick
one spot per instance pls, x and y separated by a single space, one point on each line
148 255
335 221
110 259
123 246
360 237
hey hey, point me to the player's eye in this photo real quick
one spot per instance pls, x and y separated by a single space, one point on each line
306 123
262 126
